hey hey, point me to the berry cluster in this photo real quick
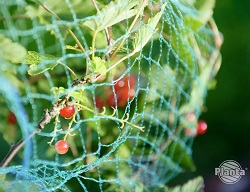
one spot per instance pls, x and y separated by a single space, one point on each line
201 126
124 90
62 146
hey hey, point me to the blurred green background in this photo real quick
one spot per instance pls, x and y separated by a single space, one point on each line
228 106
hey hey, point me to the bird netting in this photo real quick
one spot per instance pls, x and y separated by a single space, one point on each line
103 95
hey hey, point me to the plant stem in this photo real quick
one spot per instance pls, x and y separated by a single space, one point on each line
93 44
129 30
46 118
66 27
114 65
59 62
106 30
14 150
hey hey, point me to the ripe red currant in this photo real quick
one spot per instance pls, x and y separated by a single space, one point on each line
190 117
201 127
124 90
61 147
68 111
11 118
99 102
191 132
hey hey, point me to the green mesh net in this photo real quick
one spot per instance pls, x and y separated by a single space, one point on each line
136 74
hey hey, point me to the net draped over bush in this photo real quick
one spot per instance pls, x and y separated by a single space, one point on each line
136 73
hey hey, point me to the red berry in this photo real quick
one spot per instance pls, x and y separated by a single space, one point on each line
124 90
61 147
201 127
12 118
111 100
191 132
68 111
99 102
190 117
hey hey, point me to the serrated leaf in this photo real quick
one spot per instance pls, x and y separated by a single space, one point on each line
61 8
114 12
97 66
194 185
40 63
146 31
79 96
11 51
32 57
38 69
57 90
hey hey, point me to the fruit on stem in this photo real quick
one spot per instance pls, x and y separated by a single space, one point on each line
61 147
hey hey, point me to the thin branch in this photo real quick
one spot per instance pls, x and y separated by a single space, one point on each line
66 27
59 62
54 111
106 30
115 64
47 117
14 150
129 30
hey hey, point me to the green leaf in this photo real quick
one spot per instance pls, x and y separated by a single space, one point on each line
190 2
32 57
194 23
205 8
61 8
79 96
97 66
104 2
205 12
145 33
181 154
193 185
20 185
11 51
40 63
198 92
38 69
184 50
57 90
114 12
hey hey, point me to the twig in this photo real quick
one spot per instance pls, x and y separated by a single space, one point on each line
66 27
50 114
14 149
106 30
129 30
47 117
59 62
